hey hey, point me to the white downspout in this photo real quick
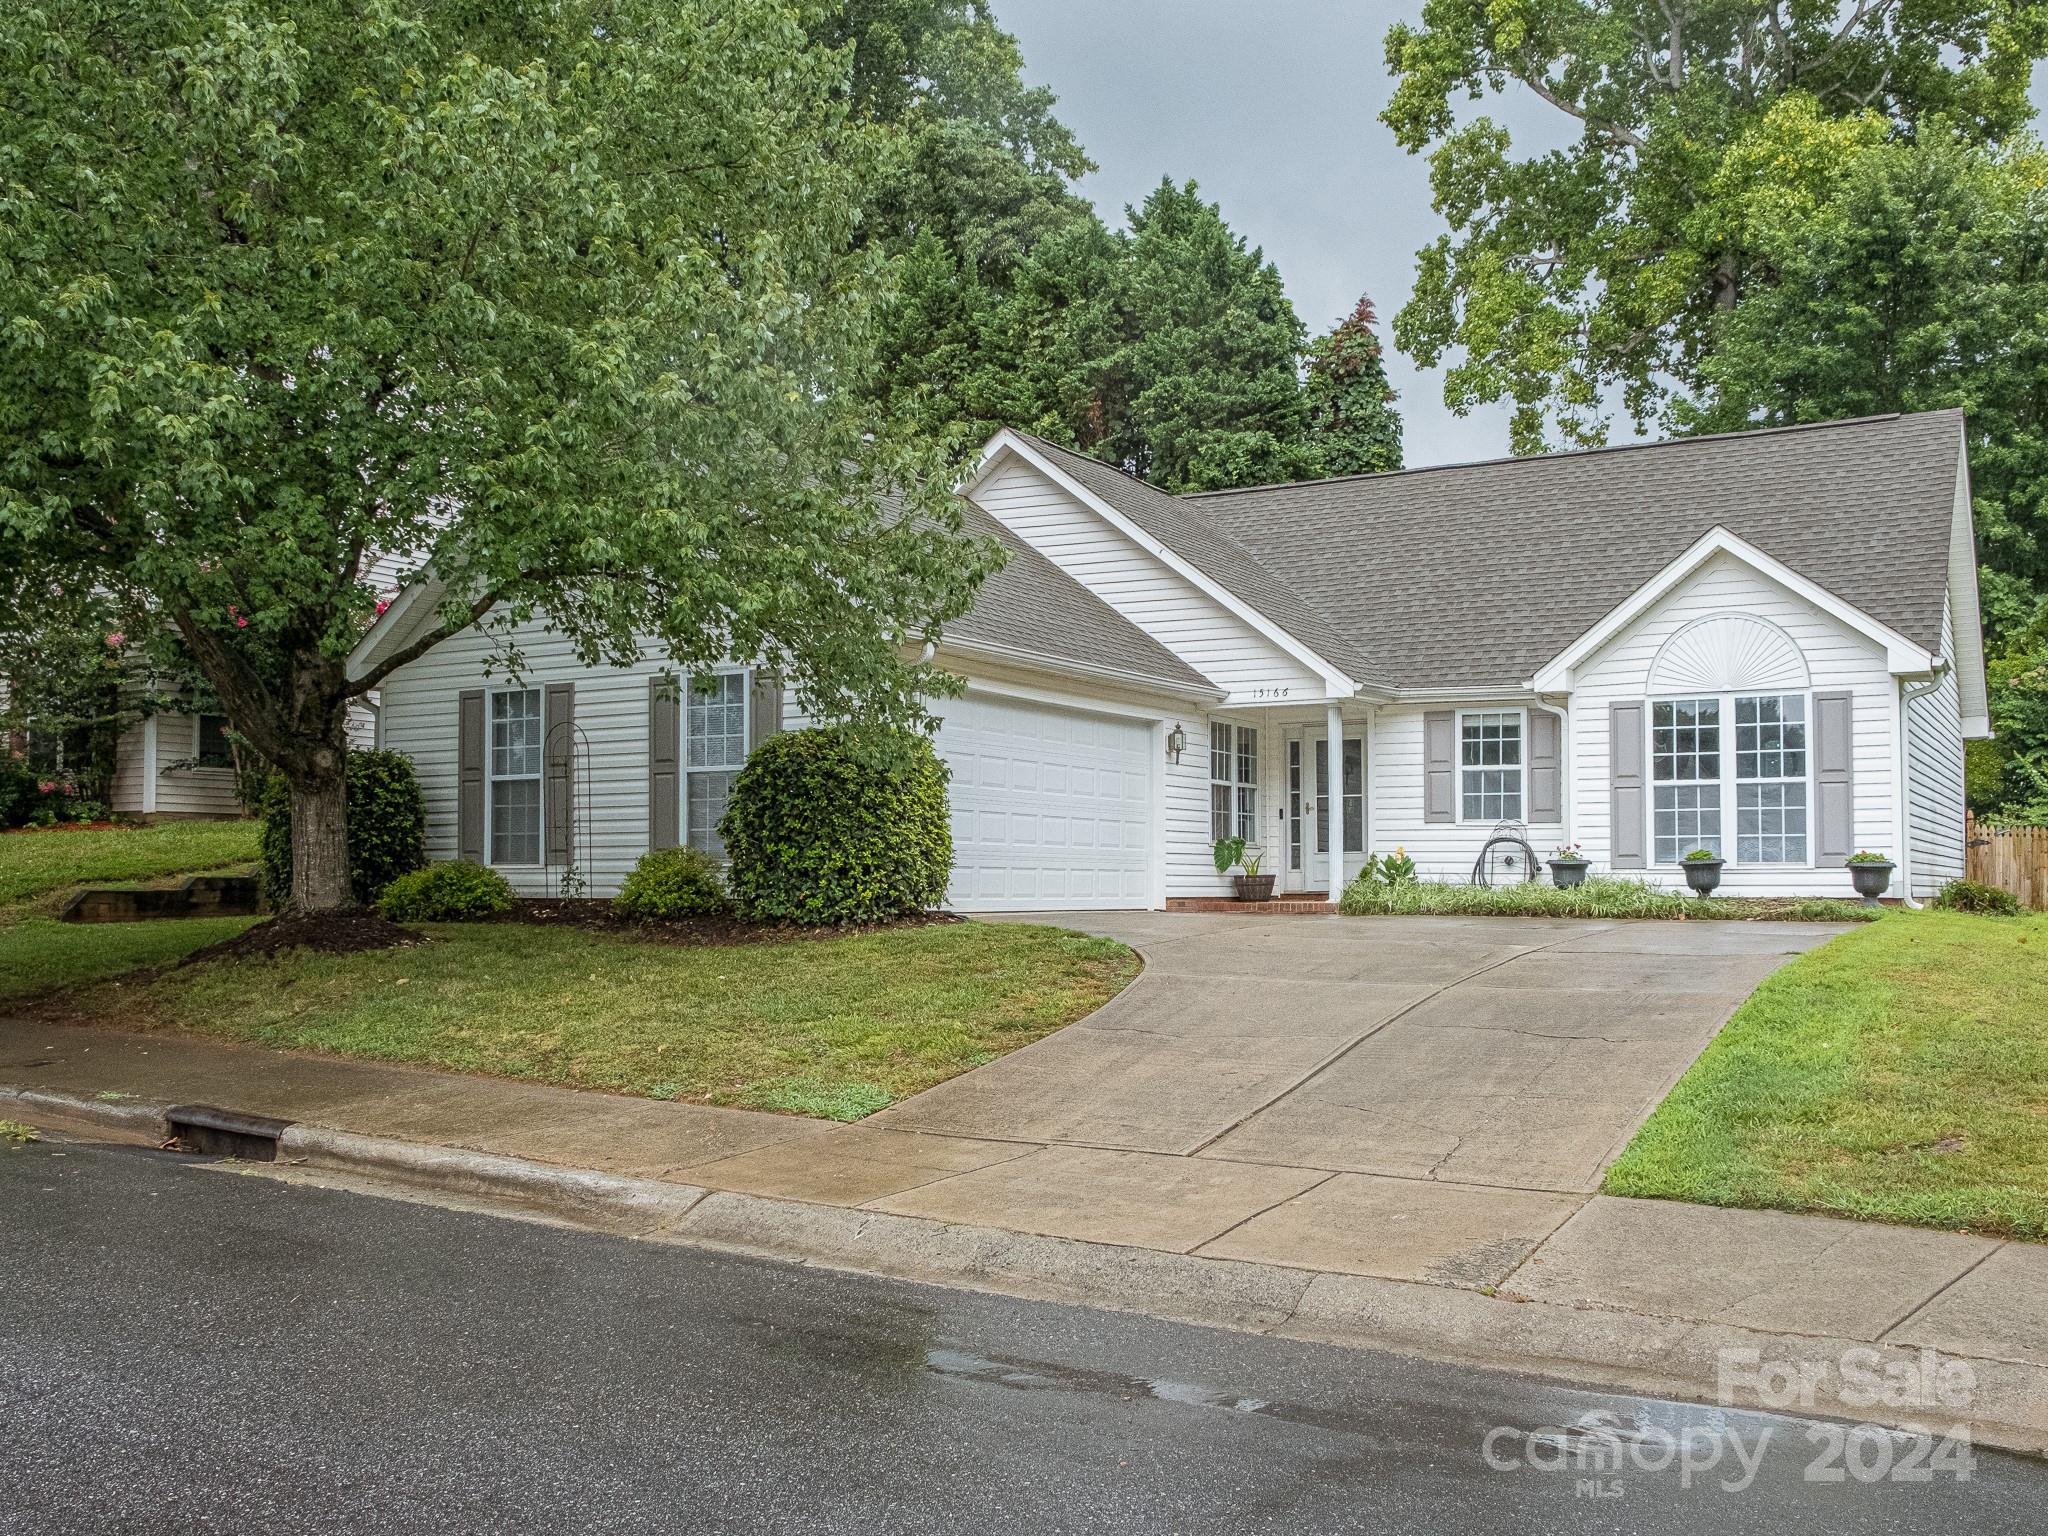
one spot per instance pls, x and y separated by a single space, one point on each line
1908 692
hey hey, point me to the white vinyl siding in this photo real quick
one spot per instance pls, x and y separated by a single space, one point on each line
1934 777
184 786
1142 587
419 719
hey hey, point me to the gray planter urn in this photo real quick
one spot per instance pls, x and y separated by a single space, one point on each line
1253 887
1871 878
1703 875
1566 873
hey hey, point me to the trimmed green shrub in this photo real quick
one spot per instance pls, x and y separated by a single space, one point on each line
459 892
18 793
830 825
1600 896
1969 896
674 882
387 827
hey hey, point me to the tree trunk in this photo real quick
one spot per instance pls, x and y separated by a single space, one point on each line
320 836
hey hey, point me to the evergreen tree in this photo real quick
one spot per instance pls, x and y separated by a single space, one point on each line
1352 424
1211 353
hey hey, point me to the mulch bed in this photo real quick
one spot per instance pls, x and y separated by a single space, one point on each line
598 916
325 933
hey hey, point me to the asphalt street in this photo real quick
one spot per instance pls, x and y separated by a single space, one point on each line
188 1346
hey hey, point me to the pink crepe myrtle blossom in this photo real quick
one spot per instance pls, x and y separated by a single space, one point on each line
115 639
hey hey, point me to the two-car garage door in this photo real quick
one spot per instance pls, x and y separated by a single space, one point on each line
1052 807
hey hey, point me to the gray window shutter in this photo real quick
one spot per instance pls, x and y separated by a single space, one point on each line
1546 766
1834 786
1440 765
764 712
469 775
1628 820
664 762
558 764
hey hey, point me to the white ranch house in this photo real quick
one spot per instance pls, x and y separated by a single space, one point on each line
1765 643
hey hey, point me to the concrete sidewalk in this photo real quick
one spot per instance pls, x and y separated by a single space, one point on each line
1641 1294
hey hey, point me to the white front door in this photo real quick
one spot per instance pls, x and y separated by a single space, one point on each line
1307 768
1052 807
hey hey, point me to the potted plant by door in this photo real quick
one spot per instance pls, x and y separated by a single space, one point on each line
1702 870
1568 866
1872 873
1231 853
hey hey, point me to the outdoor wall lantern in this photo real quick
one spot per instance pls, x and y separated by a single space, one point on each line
1176 743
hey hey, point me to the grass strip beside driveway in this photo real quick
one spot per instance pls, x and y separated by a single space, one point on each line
1898 1073
836 1027
35 863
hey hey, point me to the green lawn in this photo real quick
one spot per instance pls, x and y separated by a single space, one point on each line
1898 1073
36 863
39 954
836 1027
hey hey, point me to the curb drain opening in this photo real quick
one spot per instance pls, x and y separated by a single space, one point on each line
212 1131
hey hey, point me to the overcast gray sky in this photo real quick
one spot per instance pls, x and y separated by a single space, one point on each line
1273 106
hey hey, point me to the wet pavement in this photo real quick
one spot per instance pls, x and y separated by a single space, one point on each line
189 1346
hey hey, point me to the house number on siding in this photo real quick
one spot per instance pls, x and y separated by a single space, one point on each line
1271 693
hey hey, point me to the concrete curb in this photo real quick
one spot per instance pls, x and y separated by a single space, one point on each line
134 1115
1580 1347
604 1199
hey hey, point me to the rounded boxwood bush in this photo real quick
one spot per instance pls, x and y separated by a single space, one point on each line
832 826
387 827
1969 896
459 892
674 882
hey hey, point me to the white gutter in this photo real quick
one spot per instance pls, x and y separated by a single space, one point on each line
1908 692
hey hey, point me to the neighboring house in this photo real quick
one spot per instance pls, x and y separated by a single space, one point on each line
1766 643
170 767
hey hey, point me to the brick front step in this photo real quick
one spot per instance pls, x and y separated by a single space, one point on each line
1306 903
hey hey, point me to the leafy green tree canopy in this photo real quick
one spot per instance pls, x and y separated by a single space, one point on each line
1598 269
1353 428
554 297
1916 279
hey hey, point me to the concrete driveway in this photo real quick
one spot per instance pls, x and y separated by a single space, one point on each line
1504 1052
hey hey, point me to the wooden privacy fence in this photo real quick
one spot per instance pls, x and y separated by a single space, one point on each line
2012 858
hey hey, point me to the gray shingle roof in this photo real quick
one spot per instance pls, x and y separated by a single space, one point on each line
1480 573
1209 545
1033 606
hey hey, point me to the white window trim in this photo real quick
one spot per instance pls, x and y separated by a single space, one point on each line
1730 826
683 768
1238 815
1521 769
491 779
